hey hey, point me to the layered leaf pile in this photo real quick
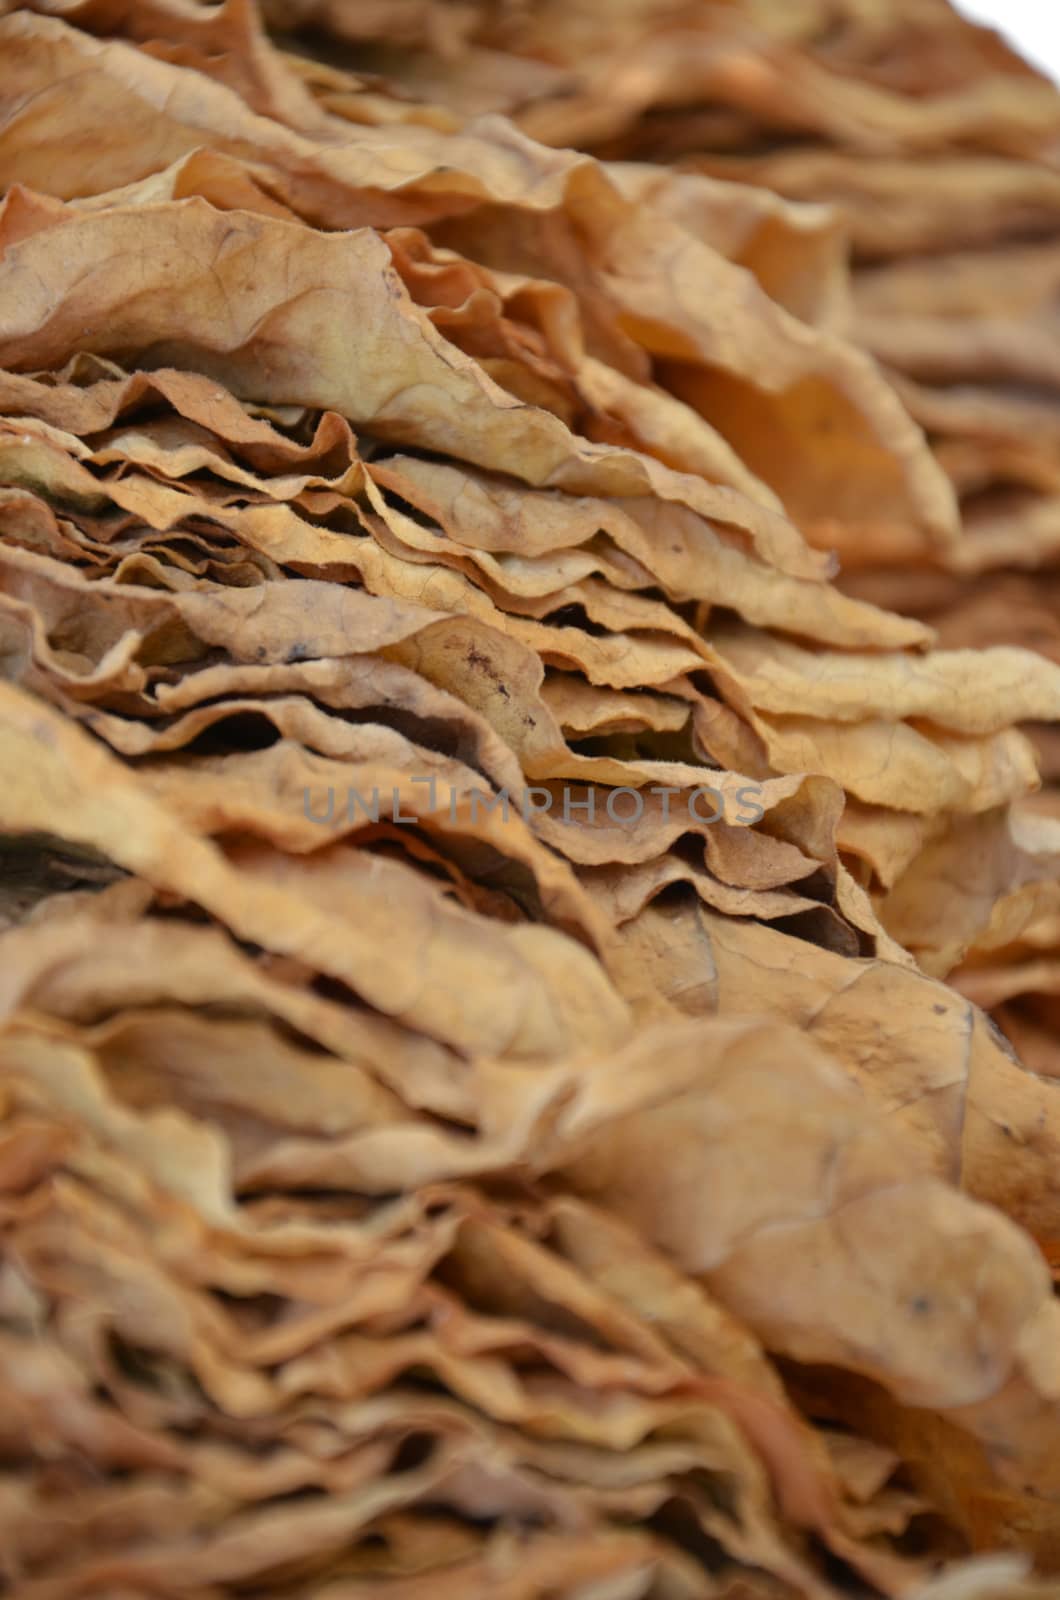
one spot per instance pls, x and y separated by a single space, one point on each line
921 156
481 1110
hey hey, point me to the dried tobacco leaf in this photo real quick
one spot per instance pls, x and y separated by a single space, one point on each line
473 1119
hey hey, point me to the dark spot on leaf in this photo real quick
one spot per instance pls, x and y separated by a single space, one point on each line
475 658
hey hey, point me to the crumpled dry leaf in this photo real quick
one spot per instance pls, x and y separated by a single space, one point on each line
433 738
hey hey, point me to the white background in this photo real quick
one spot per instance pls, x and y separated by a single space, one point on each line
1032 26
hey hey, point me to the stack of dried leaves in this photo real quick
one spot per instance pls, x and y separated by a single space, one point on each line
467 1129
919 152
